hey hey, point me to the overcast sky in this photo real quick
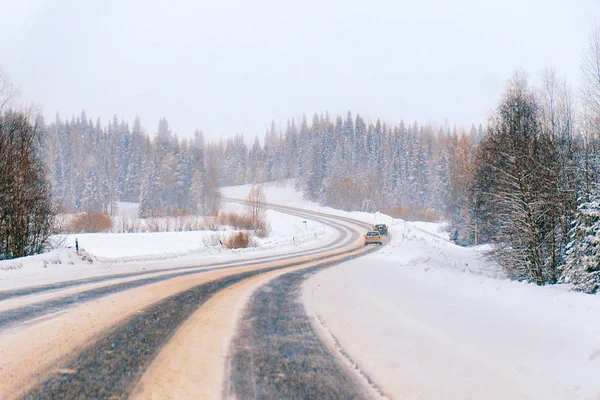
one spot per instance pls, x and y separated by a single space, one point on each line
232 66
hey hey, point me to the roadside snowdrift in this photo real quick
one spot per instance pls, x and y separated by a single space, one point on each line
427 319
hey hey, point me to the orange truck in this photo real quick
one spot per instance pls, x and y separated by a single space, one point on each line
382 229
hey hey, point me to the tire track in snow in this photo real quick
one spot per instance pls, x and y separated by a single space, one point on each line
278 353
110 367
29 312
19 292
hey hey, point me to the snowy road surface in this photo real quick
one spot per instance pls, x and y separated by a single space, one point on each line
167 334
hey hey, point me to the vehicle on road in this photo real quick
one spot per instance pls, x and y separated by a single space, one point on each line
373 237
382 229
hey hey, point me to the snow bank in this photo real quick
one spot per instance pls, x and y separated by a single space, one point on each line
430 320
58 264
138 246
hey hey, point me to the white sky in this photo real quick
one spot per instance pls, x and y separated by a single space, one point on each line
232 66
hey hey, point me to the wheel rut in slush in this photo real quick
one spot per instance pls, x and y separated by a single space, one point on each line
110 367
117 358
32 290
278 353
28 312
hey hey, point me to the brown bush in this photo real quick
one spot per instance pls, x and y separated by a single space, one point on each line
412 214
90 223
210 224
236 220
262 228
240 240
245 221
154 224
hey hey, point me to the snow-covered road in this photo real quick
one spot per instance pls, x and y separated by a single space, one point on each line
421 318
132 336
116 253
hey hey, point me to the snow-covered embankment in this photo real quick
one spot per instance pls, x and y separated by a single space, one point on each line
430 320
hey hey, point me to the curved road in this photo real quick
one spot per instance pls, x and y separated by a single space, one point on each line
228 330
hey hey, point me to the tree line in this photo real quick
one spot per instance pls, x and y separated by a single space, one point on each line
526 183
533 182
92 168
347 163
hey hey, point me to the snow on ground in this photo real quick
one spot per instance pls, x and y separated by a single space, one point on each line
104 253
284 227
147 245
280 192
427 319
285 230
424 318
284 193
128 210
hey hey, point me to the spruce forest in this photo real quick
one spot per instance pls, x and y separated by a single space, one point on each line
525 181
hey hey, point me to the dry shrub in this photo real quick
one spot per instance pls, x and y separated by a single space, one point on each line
240 240
182 212
236 220
430 215
12 267
154 224
181 224
168 224
210 224
190 223
90 223
246 222
412 214
130 225
262 228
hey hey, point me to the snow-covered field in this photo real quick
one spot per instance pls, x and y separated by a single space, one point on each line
102 253
281 192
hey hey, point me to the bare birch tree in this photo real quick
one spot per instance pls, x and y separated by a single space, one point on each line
27 215
517 163
8 91
256 205
557 118
590 69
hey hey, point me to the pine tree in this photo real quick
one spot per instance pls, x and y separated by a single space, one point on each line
582 266
291 149
91 200
303 137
